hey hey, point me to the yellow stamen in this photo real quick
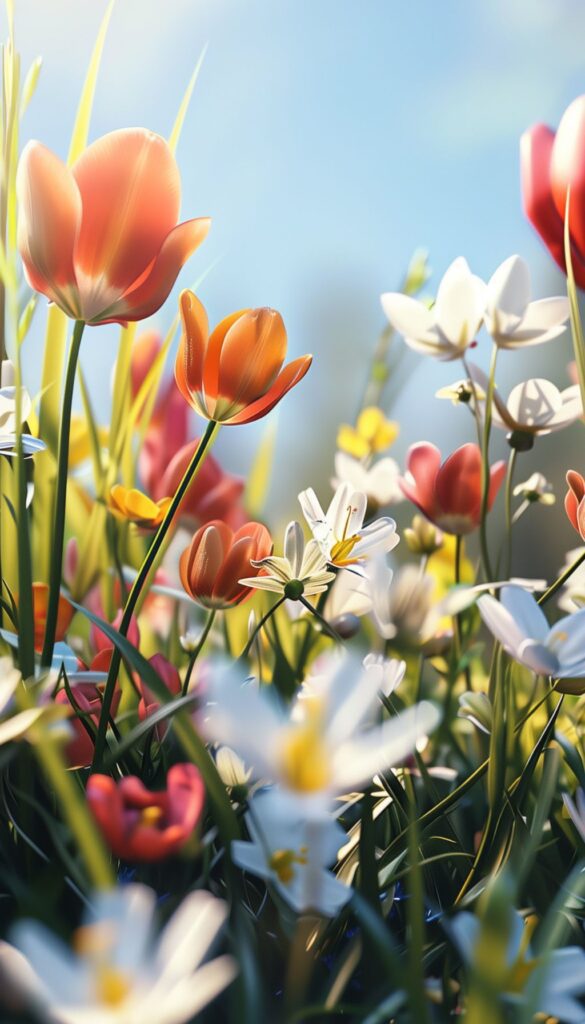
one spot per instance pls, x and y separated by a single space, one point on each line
282 862
112 986
341 551
305 758
151 815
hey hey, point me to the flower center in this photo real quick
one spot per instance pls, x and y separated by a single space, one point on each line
94 942
112 985
305 758
151 815
341 551
282 863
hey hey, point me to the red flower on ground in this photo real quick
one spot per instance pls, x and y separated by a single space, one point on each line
140 825
449 494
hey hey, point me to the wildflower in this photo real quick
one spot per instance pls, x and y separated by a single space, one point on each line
511 318
340 532
214 494
551 165
575 502
392 671
232 770
292 854
537 489
349 596
144 826
449 494
301 572
576 810
401 603
8 425
65 614
234 375
449 327
216 560
422 537
534 407
378 482
372 433
135 507
101 239
86 704
518 622
119 973
316 748
462 392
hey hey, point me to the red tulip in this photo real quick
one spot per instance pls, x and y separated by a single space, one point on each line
101 239
217 559
214 494
87 698
148 703
140 825
575 502
449 494
551 164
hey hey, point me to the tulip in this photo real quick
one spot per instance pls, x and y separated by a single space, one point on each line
140 825
217 559
449 494
575 502
551 164
234 375
65 613
215 494
87 699
101 239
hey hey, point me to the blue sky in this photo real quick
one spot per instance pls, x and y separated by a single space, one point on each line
327 139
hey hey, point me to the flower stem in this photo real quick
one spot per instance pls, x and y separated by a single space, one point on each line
143 574
558 583
61 497
262 623
509 520
198 649
485 466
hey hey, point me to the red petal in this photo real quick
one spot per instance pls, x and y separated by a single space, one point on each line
287 378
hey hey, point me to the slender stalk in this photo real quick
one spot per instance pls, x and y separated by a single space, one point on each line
485 466
558 583
143 574
262 623
509 520
61 497
198 650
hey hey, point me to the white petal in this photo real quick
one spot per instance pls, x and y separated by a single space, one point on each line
378 538
354 691
192 929
460 304
534 402
526 612
311 508
546 314
190 995
130 910
409 317
53 963
294 546
508 296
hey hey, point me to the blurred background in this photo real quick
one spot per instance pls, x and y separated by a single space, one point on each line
328 140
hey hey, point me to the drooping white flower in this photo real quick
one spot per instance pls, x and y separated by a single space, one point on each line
379 482
119 973
317 747
535 406
392 671
300 572
340 532
292 853
401 602
448 328
511 318
518 622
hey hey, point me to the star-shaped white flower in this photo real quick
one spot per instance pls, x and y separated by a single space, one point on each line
300 572
511 318
340 532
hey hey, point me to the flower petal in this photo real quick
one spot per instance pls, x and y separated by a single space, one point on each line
287 378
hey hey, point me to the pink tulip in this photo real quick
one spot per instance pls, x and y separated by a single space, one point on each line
449 494
101 239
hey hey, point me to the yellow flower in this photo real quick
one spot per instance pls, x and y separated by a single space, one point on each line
372 433
79 444
136 507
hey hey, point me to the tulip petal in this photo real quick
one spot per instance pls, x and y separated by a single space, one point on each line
49 219
191 354
251 356
423 462
568 171
536 146
458 484
287 378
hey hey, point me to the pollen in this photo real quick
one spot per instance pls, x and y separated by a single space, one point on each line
341 551
113 986
282 863
151 815
305 757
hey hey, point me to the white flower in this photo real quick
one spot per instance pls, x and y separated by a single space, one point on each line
518 622
119 974
446 330
401 603
8 425
378 482
511 318
301 572
293 853
536 489
316 748
554 979
392 671
349 595
340 532
15 726
534 407
231 769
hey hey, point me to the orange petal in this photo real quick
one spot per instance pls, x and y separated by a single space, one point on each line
189 362
213 354
142 300
130 190
49 218
251 356
287 378
202 560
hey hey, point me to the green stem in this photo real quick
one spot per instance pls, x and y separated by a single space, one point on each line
485 466
198 650
143 574
306 647
262 623
558 583
508 498
61 497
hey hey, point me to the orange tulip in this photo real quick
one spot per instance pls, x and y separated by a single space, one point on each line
101 239
235 374
40 603
217 559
